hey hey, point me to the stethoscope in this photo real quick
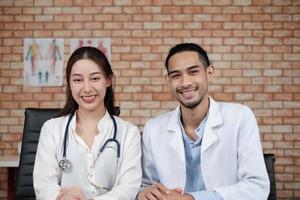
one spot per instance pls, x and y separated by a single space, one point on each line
65 165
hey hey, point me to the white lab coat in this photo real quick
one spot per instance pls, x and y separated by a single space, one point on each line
124 184
232 160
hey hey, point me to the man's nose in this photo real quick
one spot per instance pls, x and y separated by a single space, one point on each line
185 79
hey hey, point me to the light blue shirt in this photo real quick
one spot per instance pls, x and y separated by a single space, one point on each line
194 184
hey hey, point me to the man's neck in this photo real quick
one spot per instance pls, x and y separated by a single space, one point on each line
191 118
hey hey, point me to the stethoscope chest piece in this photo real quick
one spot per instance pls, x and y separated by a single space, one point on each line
65 165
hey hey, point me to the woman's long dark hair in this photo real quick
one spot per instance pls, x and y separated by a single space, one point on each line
100 59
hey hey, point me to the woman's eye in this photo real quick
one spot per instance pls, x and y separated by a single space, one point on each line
77 80
95 78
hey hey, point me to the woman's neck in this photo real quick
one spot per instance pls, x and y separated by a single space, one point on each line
86 116
86 125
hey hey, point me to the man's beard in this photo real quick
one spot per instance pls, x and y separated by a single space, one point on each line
193 104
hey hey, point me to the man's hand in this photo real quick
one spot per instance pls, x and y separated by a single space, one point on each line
157 191
176 195
70 193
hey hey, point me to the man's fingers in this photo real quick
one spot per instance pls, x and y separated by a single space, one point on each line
156 191
178 190
162 188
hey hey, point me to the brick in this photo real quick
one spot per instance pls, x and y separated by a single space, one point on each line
130 57
12 10
273 88
142 17
263 97
9 105
53 26
52 10
73 25
262 17
68 33
93 25
169 10
152 25
192 9
34 26
142 97
44 34
156 9
283 96
83 2
32 10
63 18
122 18
23 18
212 25
139 49
43 18
112 10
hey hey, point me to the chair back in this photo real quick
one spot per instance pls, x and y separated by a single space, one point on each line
269 161
34 120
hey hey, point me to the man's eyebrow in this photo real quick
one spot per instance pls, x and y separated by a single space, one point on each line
189 68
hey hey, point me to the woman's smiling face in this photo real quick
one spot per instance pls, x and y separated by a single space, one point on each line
88 85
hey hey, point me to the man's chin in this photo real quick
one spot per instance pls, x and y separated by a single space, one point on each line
190 105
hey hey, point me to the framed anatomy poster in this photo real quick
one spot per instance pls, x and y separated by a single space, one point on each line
102 44
43 61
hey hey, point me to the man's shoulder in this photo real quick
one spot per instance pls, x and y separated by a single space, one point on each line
234 109
160 120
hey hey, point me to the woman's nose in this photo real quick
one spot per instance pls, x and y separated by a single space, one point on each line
87 86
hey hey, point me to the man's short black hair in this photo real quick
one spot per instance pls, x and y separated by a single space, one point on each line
188 47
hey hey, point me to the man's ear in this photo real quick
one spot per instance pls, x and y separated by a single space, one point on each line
167 79
210 72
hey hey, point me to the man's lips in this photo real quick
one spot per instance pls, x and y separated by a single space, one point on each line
187 93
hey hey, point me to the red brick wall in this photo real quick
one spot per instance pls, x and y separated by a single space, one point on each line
253 44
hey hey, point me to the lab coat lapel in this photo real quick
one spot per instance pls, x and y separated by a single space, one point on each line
214 119
176 143
174 134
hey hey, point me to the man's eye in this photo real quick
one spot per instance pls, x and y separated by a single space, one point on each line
194 72
174 76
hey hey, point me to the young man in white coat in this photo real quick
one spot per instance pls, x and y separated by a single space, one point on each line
203 150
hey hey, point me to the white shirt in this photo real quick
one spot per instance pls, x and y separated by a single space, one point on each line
103 177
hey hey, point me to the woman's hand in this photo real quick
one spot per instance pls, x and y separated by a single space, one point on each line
70 193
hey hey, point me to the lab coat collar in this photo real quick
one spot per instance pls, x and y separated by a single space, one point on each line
214 119
104 126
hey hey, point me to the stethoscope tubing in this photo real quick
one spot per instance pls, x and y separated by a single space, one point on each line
113 139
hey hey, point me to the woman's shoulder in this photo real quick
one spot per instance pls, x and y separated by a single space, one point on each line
125 123
55 124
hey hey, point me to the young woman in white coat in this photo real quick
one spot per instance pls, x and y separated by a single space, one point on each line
88 152
203 149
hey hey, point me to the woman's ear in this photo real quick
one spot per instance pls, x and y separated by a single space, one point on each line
210 72
109 81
